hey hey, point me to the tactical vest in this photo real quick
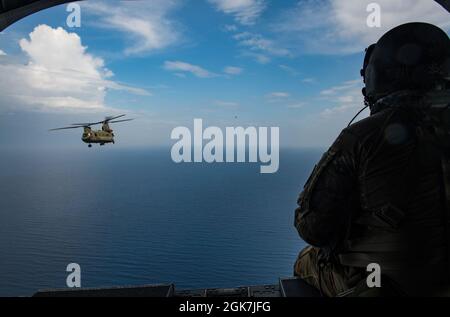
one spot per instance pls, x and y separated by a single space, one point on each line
412 245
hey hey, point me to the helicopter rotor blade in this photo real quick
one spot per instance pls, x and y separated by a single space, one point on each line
67 128
117 121
86 124
108 119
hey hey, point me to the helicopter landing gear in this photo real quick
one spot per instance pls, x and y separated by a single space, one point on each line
90 145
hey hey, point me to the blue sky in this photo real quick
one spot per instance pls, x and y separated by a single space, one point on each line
291 64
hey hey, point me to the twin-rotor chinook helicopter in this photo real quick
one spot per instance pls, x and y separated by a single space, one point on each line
102 137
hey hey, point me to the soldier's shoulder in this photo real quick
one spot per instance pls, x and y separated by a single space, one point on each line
366 127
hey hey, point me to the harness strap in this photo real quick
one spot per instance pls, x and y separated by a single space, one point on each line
389 260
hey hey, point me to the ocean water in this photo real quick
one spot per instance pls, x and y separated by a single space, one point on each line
133 217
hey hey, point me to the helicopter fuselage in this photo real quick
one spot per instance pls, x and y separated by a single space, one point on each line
97 136
103 136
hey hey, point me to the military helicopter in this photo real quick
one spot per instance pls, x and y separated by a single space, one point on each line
102 137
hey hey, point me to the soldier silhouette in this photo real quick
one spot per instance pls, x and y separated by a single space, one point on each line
381 193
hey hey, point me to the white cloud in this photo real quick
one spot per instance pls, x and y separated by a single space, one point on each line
232 70
278 97
2 53
340 26
344 99
230 28
259 47
309 80
182 67
334 110
244 11
343 87
146 22
289 70
257 43
279 94
60 74
296 105
259 58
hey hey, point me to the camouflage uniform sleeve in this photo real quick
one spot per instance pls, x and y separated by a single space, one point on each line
330 196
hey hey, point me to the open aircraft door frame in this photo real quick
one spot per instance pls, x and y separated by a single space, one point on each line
445 4
14 10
